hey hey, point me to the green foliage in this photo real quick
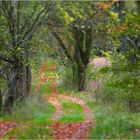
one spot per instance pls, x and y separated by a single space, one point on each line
121 86
120 83
110 124
90 73
68 77
45 89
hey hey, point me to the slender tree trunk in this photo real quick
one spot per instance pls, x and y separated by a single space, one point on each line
74 73
81 78
8 103
26 81
138 6
29 78
0 101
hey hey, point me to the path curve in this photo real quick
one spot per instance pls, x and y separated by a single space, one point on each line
61 130
70 130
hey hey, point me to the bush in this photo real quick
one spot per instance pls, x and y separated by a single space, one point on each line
68 77
121 87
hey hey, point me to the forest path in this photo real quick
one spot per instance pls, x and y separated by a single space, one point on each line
63 130
70 130
75 130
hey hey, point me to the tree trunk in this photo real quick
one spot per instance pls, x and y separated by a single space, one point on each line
81 78
8 104
19 87
0 101
26 81
29 78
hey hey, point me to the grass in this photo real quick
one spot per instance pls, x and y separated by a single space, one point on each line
72 112
112 121
36 132
109 123
45 89
33 118
30 131
35 126
114 125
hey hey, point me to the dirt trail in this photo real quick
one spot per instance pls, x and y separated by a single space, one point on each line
59 130
71 130
75 130
68 130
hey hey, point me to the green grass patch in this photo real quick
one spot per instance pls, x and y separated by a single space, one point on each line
45 117
114 125
30 131
72 112
72 118
33 117
36 132
33 108
45 89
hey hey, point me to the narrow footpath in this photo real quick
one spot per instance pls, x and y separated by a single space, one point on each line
67 130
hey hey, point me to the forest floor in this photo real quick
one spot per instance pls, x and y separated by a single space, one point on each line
79 130
61 128
53 111
65 130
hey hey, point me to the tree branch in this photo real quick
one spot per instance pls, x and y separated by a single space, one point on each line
62 46
33 26
7 60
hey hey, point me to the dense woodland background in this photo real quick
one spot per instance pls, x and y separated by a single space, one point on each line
71 35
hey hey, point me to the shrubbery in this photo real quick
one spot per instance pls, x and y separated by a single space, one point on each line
121 86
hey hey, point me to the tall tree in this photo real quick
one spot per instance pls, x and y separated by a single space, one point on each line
79 26
19 21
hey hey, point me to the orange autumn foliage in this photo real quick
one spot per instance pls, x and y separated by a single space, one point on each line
121 28
106 5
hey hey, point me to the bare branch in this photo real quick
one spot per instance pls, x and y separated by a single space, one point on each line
6 60
34 24
62 45
8 16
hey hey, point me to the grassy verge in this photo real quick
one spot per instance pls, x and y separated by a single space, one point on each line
114 125
110 123
33 119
